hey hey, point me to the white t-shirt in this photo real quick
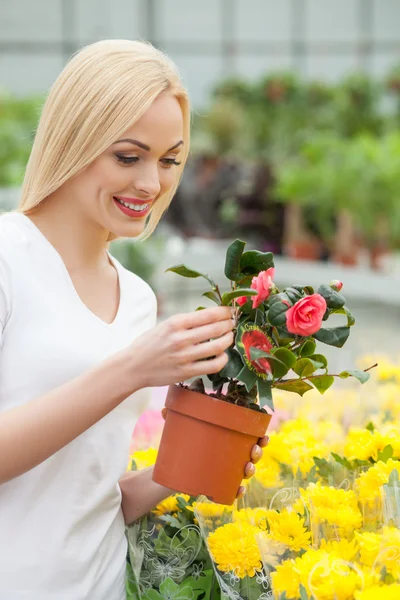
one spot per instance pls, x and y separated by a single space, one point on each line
61 524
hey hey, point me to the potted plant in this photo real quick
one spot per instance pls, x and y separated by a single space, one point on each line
208 436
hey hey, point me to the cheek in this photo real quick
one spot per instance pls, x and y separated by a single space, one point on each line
108 177
168 178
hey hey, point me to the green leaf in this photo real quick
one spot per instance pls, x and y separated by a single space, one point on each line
333 337
370 427
287 359
232 263
184 271
233 366
322 383
201 308
229 296
321 359
362 376
212 296
342 460
254 261
293 294
303 592
277 314
286 356
345 311
305 367
248 378
153 595
265 393
324 468
386 453
296 385
333 299
308 348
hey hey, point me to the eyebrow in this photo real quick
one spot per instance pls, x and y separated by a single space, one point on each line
145 146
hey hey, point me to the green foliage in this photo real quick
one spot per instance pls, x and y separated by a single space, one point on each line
265 355
18 120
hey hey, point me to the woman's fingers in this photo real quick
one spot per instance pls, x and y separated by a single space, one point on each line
263 442
210 349
249 470
256 454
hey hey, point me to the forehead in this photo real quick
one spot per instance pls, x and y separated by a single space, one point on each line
162 122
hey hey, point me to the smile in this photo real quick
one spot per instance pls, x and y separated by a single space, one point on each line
132 209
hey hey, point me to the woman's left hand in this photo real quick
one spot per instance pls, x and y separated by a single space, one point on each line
250 469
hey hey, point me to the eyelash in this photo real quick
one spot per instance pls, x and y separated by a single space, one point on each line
129 160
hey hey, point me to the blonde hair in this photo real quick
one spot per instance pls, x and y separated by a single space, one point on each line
103 90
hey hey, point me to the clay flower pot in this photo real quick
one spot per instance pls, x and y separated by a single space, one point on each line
206 444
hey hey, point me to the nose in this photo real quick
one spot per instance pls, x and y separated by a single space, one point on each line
148 182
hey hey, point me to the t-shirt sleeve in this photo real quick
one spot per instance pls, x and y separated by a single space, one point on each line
4 299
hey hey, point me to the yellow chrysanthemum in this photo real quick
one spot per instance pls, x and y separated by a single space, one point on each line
268 472
287 527
207 509
233 547
296 445
170 505
286 579
333 506
144 458
370 482
344 549
381 550
380 592
327 577
254 516
362 444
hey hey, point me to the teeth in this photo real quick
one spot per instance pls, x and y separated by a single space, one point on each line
137 207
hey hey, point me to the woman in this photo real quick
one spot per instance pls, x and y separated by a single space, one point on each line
78 341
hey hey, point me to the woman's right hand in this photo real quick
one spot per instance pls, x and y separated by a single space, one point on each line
177 349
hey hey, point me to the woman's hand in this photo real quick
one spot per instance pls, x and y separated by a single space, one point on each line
184 346
250 469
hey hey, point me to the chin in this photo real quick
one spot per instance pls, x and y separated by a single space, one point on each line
127 230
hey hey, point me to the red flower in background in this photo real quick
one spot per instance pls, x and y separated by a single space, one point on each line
257 339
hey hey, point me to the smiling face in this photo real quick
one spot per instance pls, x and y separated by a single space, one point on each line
120 187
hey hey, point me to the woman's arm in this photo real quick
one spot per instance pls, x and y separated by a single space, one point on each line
140 494
31 433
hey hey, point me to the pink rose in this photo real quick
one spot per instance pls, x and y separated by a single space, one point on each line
305 317
336 285
263 284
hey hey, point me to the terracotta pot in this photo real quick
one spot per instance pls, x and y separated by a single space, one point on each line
206 444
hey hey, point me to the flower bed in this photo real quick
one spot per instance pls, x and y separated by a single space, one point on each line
320 519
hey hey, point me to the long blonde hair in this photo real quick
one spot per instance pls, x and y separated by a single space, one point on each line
103 90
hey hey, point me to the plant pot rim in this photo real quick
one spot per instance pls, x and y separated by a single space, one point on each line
206 408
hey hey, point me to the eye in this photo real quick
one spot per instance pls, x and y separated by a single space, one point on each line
126 160
170 161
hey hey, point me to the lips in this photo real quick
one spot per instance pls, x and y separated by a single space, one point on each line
132 207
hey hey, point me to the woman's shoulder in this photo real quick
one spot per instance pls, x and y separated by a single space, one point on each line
13 233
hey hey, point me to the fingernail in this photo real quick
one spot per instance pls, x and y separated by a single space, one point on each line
258 450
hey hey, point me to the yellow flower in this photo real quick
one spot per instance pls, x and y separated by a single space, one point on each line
169 505
287 527
333 506
344 549
144 458
207 509
286 579
254 516
296 445
327 577
378 550
233 547
370 482
268 472
380 592
362 444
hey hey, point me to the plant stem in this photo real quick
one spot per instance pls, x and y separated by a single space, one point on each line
316 376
